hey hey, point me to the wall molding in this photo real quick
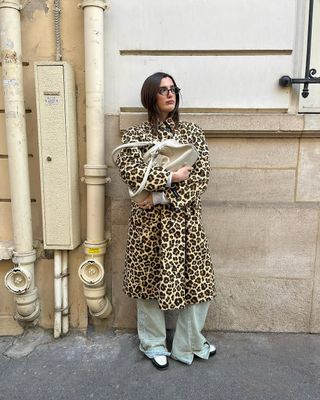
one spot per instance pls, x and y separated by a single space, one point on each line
207 53
242 125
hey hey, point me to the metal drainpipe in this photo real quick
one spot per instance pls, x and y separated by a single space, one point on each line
20 280
91 271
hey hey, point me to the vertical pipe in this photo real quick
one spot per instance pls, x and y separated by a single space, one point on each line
57 293
65 298
91 272
95 213
12 79
94 77
15 127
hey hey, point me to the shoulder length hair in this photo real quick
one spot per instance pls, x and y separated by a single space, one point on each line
149 91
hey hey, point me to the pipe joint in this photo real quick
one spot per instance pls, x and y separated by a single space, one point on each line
24 257
95 174
95 249
11 4
28 307
91 273
94 3
95 170
98 304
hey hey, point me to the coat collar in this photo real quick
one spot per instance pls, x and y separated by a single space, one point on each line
165 129
168 123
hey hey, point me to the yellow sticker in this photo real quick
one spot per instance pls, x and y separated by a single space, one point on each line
94 251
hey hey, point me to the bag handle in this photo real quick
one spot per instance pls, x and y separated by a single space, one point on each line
149 166
127 146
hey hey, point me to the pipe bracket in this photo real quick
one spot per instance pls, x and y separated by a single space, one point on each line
95 180
63 310
62 275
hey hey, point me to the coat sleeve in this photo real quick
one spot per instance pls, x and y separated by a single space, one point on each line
182 194
132 166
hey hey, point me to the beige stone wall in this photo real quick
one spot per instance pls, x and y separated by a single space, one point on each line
37 25
261 213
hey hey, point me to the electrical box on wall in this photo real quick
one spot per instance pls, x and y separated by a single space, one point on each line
57 135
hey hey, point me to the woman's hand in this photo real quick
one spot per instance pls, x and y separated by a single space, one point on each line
147 203
182 174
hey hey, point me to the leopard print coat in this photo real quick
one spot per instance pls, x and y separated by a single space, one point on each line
167 255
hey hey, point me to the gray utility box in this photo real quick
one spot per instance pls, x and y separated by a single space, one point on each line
57 135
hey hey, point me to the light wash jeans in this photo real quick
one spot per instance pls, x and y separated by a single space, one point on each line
188 340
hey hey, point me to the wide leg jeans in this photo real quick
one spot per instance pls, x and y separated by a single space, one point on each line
188 339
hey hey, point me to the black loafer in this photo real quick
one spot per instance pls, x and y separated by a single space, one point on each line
160 362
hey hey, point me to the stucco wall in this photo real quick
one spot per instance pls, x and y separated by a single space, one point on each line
38 44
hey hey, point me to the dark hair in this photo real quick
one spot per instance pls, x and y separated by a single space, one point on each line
149 91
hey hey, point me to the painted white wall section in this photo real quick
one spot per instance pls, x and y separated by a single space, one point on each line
208 82
202 24
224 53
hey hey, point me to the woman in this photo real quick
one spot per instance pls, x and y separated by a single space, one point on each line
168 264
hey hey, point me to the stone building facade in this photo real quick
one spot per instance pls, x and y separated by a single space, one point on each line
261 210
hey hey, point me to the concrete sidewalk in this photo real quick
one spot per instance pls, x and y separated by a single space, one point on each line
247 366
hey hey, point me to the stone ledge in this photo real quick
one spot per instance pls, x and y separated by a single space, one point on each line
242 125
